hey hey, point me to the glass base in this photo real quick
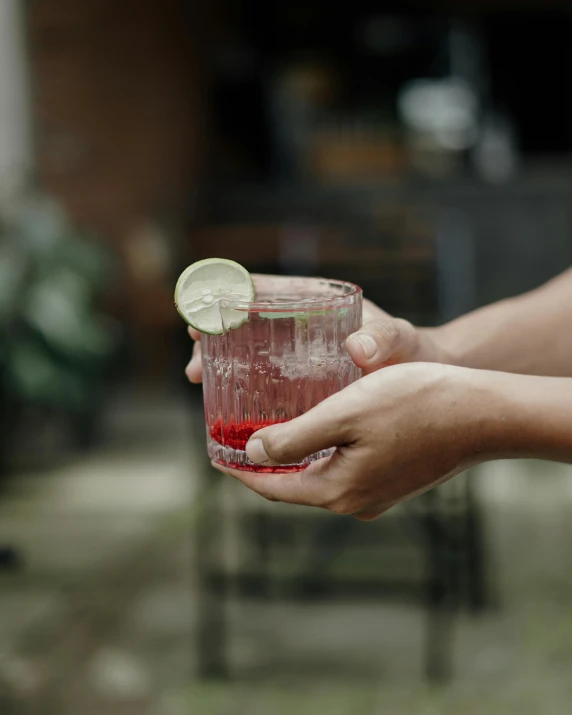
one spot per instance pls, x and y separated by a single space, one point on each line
237 459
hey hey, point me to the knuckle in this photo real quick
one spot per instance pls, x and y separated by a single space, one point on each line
368 516
404 327
266 495
264 491
339 502
408 338
278 446
387 333
351 500
341 507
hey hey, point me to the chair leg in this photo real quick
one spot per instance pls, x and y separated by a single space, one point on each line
478 595
438 654
10 558
263 537
212 624
328 542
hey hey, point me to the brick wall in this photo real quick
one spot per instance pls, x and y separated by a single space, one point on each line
115 105
116 124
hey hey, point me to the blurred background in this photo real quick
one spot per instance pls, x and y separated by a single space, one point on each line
422 152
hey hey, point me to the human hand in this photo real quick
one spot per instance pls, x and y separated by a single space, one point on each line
398 432
382 341
194 369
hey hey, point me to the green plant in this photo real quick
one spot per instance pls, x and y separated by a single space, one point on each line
56 341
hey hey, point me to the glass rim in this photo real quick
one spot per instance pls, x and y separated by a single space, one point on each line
305 304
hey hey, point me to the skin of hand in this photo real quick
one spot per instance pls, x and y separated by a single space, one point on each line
398 432
528 335
405 429
382 341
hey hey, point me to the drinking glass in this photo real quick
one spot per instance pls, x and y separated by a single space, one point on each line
287 356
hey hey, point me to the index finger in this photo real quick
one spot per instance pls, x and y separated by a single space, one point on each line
194 333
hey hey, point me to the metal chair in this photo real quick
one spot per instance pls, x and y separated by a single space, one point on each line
442 526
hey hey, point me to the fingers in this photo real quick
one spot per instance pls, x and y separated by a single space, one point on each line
194 369
194 333
328 424
371 311
382 342
320 485
308 487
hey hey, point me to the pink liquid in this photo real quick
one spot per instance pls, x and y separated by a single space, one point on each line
235 436
271 369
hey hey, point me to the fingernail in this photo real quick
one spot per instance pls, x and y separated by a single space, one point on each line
368 344
255 451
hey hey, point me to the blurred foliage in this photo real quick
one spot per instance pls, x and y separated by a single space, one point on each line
56 340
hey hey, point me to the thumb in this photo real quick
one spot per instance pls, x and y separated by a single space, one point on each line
326 425
384 342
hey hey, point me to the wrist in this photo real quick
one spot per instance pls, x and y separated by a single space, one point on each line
439 345
483 425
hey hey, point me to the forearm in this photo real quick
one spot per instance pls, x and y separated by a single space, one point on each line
531 334
526 416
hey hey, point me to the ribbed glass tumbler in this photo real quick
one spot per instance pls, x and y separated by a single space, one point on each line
288 355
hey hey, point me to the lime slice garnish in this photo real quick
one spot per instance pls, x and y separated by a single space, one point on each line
204 285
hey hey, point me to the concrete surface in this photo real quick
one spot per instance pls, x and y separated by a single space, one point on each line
102 616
